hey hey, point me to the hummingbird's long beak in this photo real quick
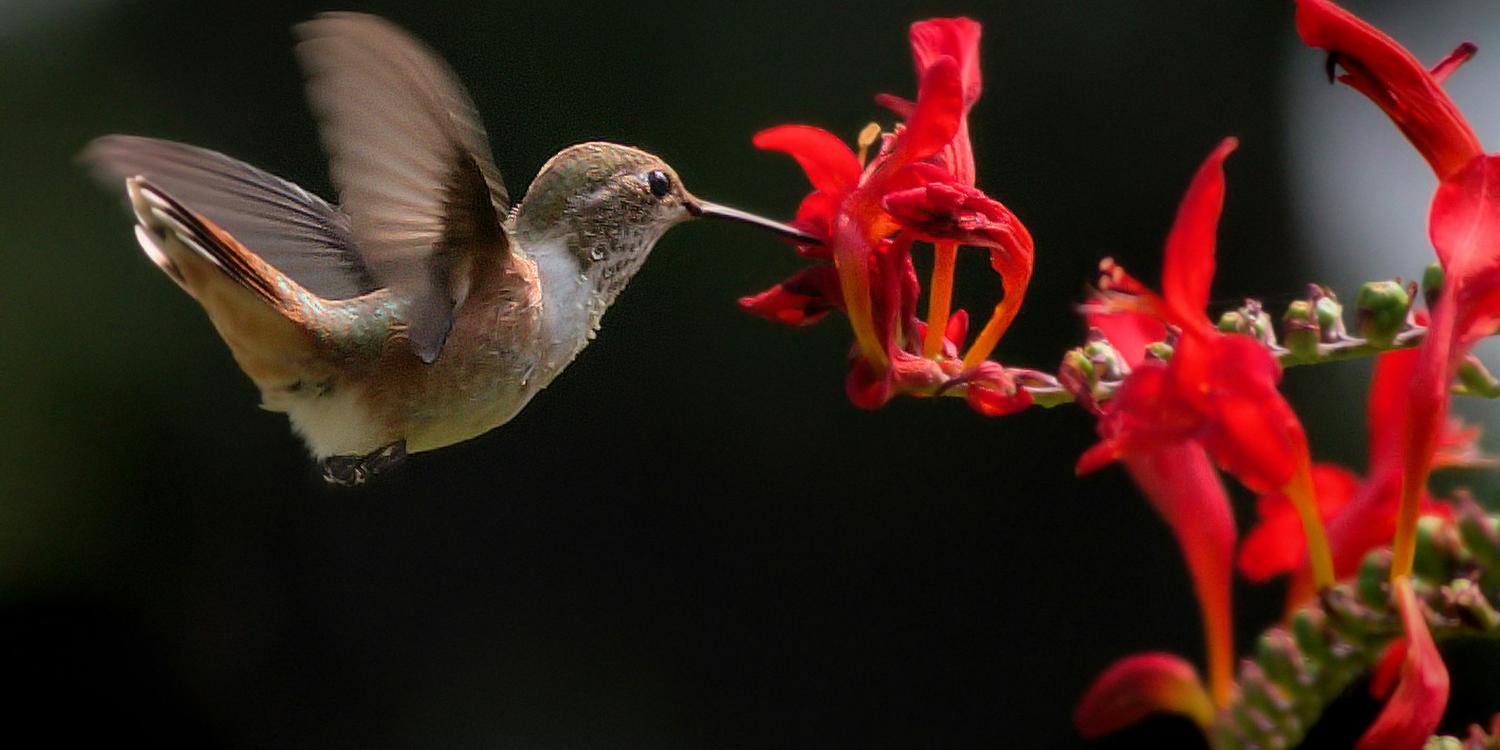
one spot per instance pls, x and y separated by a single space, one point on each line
715 211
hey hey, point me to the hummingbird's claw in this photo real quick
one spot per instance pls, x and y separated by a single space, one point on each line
353 471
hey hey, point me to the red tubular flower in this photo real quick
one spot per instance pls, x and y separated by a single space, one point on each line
1360 512
920 186
1464 226
1381 69
1218 390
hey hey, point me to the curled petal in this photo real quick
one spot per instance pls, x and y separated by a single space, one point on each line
801 300
951 211
937 116
991 391
815 215
830 165
1416 706
958 38
1381 69
867 387
1188 265
1138 686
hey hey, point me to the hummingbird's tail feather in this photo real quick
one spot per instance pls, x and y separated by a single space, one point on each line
161 218
266 318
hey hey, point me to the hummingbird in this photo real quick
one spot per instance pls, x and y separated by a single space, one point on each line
423 309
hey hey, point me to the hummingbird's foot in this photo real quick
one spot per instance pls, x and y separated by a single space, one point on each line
352 471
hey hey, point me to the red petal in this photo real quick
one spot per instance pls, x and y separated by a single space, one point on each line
801 300
1384 71
957 38
992 392
939 111
951 211
1129 332
830 166
1137 686
1277 544
1188 265
1386 410
902 107
1387 671
1254 433
1464 226
867 388
1183 487
1415 709
957 331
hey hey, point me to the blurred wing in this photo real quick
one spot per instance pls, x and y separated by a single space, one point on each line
410 160
293 230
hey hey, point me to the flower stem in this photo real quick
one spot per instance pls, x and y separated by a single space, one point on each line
1049 394
940 300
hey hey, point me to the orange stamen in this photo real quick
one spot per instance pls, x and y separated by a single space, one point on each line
940 299
1304 498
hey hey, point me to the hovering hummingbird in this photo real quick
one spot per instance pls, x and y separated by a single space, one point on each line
423 310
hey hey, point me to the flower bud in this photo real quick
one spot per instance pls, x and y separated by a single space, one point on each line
1432 283
1330 314
1300 329
1159 350
1232 322
1106 360
1476 380
1380 309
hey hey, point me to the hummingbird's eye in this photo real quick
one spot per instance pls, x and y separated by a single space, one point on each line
659 183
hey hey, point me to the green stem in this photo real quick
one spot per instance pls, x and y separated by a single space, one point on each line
1047 392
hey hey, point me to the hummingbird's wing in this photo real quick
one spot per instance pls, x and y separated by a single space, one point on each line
411 162
291 229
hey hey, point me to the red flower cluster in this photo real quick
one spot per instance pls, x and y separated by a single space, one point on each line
1216 397
918 187
1464 226
1360 512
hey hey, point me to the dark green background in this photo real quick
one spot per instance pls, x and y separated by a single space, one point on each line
690 540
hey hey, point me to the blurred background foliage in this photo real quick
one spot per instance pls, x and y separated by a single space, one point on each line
691 539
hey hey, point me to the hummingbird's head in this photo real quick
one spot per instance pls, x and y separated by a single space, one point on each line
609 204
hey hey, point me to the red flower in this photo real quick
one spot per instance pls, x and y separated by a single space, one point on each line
918 187
1380 68
1464 226
1217 390
1360 513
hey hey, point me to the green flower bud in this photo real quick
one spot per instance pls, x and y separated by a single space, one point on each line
1159 350
1300 329
1477 380
1432 283
1076 362
1330 314
1258 324
1232 322
1381 308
